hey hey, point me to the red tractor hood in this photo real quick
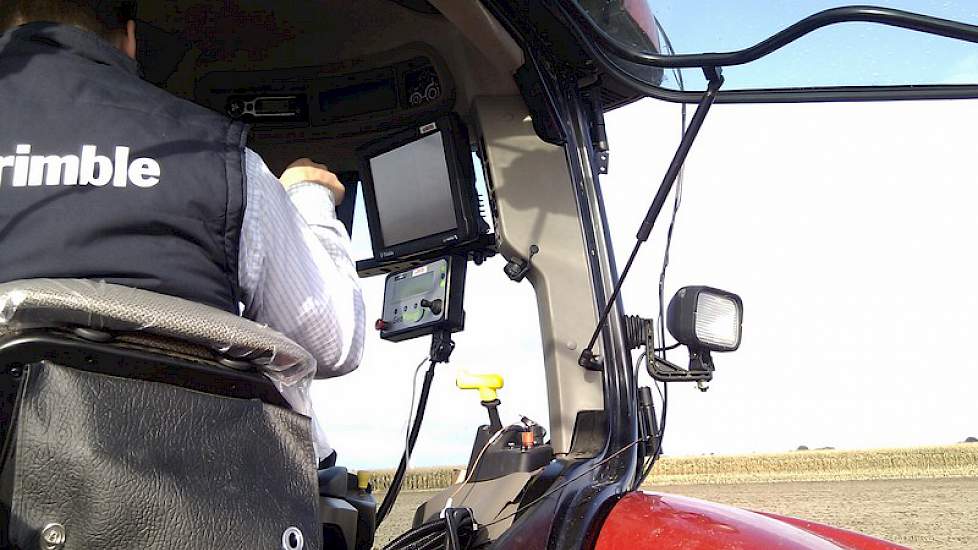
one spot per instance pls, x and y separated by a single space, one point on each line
672 522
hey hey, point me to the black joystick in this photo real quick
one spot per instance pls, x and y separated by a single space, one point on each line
433 305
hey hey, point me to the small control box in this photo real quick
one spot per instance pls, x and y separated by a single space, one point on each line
424 299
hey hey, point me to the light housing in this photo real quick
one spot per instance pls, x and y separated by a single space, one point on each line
705 318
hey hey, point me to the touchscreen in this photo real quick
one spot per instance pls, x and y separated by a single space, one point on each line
414 198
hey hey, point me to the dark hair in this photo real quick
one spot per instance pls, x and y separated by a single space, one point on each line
104 17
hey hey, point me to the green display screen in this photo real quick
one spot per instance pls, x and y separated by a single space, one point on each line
420 284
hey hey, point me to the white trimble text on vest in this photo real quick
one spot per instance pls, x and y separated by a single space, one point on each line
26 170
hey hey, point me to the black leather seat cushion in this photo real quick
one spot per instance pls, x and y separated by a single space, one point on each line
124 463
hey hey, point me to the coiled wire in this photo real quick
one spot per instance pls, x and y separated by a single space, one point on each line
638 331
432 536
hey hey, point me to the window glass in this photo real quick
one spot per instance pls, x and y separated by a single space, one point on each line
847 54
846 229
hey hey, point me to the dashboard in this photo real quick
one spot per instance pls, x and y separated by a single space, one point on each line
354 98
328 112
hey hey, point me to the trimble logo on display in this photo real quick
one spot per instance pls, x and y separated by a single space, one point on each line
26 170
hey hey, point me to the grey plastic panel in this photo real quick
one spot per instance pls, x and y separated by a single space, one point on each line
342 514
489 501
536 205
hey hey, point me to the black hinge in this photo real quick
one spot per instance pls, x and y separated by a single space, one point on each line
599 136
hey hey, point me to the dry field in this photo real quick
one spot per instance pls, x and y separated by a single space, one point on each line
925 498
913 463
926 514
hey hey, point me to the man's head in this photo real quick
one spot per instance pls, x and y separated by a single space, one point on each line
110 19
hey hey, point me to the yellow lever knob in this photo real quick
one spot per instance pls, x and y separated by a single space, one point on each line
487 384
363 480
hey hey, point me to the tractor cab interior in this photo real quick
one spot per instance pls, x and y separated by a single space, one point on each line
391 95
361 86
396 97
325 77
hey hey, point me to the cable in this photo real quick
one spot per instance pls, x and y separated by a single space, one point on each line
677 201
429 536
658 388
419 533
475 464
560 486
678 198
646 466
665 256
395 486
433 541
410 417
635 376
638 365
421 537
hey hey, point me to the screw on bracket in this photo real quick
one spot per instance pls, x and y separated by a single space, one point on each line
517 269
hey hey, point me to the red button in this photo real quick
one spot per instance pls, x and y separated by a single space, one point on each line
380 324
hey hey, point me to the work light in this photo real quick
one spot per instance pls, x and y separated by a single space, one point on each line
704 318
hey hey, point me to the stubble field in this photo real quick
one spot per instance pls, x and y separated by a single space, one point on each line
925 498
927 514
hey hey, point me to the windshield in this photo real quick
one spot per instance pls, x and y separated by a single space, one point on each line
841 225
846 54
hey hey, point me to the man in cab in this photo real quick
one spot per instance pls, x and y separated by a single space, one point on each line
104 176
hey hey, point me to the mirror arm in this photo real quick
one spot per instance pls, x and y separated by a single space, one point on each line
599 133
848 14
714 77
700 369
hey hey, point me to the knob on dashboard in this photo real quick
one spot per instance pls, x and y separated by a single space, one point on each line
433 305
235 108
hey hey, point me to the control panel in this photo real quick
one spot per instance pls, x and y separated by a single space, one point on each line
424 299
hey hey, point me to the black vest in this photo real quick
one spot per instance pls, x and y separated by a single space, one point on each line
104 176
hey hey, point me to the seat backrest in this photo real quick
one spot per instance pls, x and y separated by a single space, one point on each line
100 306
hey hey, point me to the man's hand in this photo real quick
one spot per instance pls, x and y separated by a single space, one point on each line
307 170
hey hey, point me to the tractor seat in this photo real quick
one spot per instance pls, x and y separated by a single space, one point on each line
173 324
155 416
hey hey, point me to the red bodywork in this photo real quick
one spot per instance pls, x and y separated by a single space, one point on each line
671 522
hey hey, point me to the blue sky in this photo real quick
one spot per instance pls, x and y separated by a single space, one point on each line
845 54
